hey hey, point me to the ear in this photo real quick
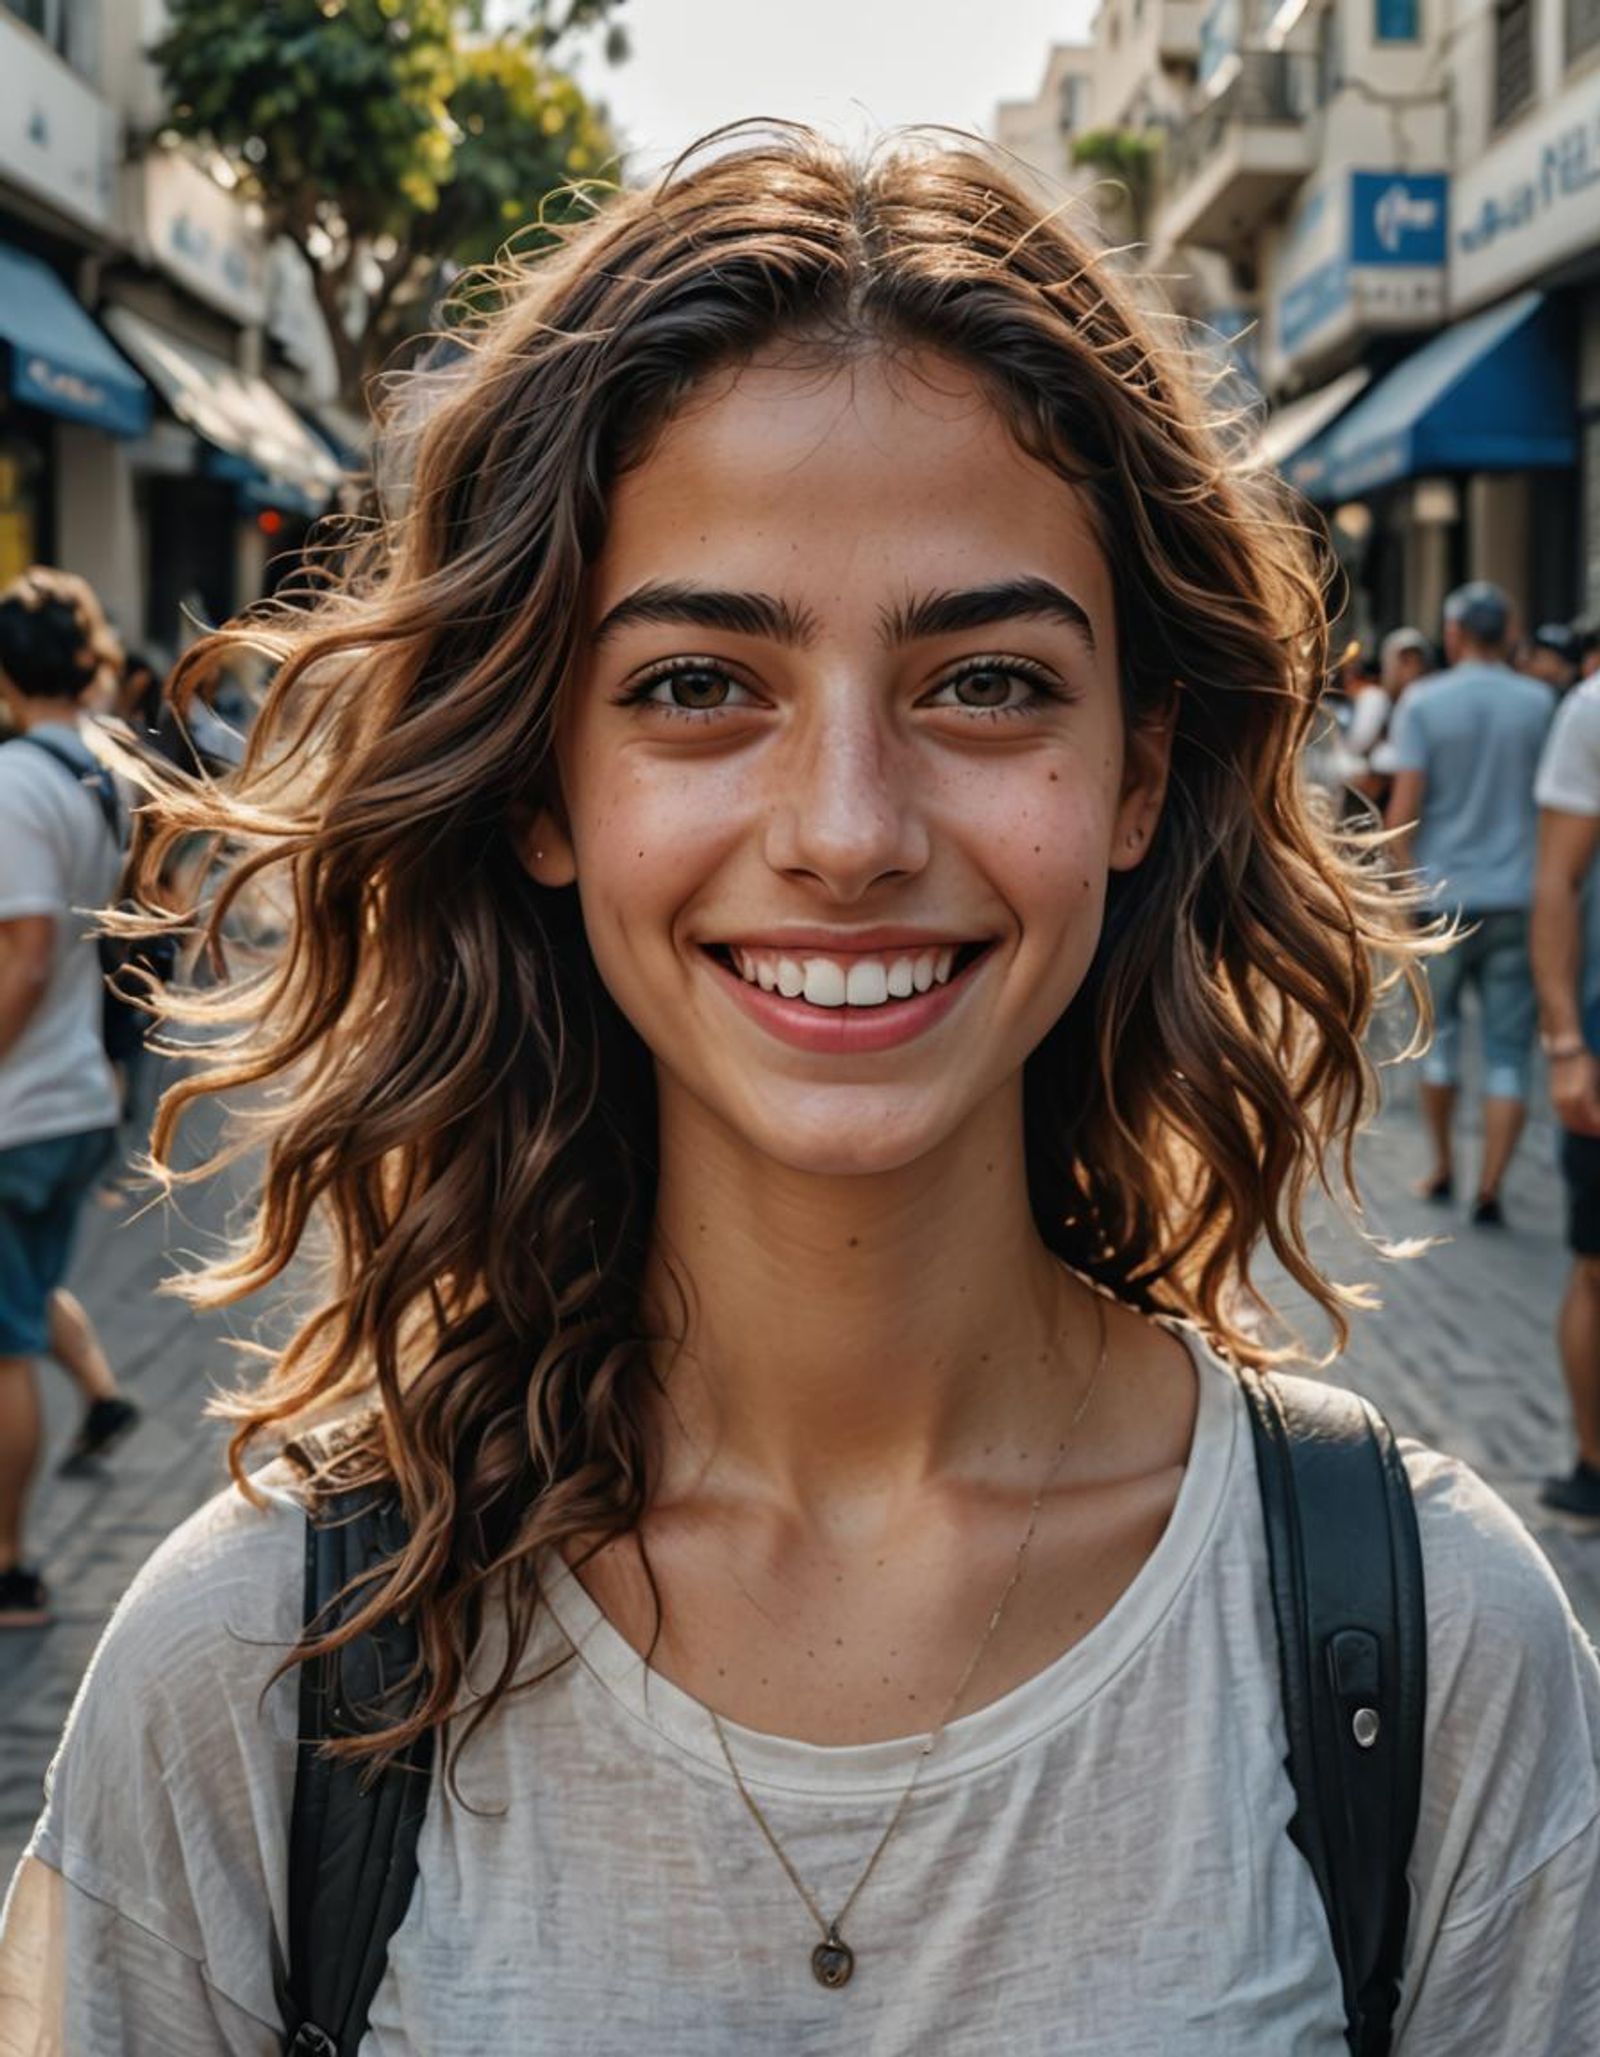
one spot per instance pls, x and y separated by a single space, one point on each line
1146 766
543 843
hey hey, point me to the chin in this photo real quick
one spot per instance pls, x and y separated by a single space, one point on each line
857 1137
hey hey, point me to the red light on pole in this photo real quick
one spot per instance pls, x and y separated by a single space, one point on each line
269 521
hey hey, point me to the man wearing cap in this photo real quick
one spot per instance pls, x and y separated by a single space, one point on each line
1467 744
1553 653
1566 963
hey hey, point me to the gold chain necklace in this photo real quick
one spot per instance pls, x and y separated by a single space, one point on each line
833 1960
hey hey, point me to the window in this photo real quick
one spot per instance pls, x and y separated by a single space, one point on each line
1513 57
1396 21
36 13
1583 27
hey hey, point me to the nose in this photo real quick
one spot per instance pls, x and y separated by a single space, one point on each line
846 811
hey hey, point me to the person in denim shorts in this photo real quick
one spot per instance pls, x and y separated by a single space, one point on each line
1466 747
59 1098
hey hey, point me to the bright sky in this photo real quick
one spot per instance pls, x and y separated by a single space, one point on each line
851 67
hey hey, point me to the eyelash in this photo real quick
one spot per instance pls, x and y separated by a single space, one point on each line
1034 677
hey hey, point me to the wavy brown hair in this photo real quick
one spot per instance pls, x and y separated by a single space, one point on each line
456 1105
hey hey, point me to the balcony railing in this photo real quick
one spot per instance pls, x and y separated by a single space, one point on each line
1269 88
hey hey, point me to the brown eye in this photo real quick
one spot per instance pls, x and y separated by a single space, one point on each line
697 689
985 688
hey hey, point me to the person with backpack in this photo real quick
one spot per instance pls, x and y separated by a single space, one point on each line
59 1095
811 971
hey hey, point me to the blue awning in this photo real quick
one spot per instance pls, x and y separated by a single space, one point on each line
1492 393
59 359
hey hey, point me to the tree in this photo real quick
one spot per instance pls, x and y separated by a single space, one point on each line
391 141
1132 158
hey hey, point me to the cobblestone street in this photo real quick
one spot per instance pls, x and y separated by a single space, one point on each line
1460 1355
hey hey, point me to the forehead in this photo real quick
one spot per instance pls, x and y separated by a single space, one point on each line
847 481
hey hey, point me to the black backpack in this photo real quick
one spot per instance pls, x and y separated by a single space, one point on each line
1346 1573
123 1024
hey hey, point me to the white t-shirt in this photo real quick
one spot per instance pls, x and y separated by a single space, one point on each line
1095 1865
56 857
1569 783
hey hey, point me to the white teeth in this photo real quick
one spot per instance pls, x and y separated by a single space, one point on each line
866 985
825 982
858 982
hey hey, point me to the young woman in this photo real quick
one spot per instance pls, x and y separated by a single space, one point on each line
812 974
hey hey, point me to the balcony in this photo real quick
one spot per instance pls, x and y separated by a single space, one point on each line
1242 155
1178 31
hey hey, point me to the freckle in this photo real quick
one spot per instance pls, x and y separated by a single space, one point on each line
1086 885
983 1356
722 1671
766 1682
1054 776
853 1241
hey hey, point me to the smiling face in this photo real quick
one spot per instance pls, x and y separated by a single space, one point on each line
846 721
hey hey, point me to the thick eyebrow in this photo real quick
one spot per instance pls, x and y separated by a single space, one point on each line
708 607
977 607
765 614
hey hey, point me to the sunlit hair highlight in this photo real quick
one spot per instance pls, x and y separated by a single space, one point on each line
450 1107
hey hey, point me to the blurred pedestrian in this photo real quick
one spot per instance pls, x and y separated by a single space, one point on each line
1566 964
1588 647
1553 653
139 694
1466 747
59 1098
1404 656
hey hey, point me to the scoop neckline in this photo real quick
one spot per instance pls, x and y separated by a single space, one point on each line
786 1764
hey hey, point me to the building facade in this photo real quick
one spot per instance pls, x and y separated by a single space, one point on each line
1397 204
144 438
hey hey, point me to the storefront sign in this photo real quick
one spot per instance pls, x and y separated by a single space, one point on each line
202 235
1532 202
1366 250
58 138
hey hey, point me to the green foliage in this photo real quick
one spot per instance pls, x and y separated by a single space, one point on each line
1132 157
391 140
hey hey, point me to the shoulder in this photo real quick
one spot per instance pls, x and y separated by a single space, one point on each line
25 784
1569 771
179 1744
1512 1773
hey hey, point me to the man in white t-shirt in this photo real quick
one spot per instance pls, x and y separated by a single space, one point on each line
1566 966
59 1098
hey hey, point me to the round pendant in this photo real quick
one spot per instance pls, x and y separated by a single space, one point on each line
832 1961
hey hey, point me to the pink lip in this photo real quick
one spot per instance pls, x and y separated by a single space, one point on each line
841 1031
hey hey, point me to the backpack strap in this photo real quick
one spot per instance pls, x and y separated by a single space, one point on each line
352 1836
94 779
1347 1594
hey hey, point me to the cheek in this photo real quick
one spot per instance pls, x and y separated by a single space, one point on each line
1045 840
645 836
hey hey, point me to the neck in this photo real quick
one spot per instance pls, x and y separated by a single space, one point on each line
854 1333
32 714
